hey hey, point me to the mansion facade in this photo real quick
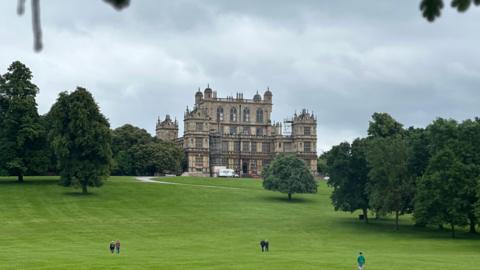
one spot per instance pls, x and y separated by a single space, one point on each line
238 133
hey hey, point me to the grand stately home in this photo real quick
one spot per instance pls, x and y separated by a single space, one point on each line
239 134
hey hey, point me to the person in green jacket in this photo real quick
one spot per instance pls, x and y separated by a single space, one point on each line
361 261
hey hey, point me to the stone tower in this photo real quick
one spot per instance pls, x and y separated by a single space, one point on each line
167 130
304 136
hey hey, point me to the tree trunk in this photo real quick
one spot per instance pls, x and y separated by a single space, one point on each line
472 225
84 188
365 215
289 196
396 220
20 177
453 231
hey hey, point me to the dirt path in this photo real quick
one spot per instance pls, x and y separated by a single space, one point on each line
146 179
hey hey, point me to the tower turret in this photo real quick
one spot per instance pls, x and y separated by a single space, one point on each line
267 96
198 97
167 130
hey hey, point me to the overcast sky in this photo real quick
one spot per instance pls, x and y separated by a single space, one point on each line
341 59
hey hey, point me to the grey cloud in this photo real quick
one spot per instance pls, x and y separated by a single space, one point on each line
343 60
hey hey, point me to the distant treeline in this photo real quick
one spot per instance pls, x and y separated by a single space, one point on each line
73 139
432 173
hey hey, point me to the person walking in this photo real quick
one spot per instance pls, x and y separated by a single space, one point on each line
266 245
112 246
117 246
262 245
361 261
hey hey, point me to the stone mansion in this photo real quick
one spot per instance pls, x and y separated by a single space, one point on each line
238 133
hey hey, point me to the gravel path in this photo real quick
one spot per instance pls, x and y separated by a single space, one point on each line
146 179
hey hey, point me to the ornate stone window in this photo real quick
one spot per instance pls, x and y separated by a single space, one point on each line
307 131
259 115
259 131
199 127
220 114
265 147
198 161
246 147
233 115
233 130
246 131
246 115
307 147
198 143
236 147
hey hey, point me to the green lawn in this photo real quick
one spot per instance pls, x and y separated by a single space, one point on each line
46 226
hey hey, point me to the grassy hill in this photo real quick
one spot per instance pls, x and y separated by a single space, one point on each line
46 226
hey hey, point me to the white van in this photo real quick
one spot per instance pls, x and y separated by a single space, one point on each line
227 173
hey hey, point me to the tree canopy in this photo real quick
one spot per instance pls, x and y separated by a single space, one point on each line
432 172
348 172
442 191
21 133
81 138
136 152
432 9
288 174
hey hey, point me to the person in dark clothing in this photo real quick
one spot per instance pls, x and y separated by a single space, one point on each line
262 245
266 245
112 247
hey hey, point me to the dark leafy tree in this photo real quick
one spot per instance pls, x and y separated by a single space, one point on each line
322 165
383 125
390 185
468 151
137 153
289 174
157 157
419 155
442 133
124 138
442 190
81 138
118 4
348 172
22 137
463 139
432 9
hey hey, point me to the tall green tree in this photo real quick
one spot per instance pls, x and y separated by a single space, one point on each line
463 139
81 138
348 172
383 125
322 167
419 154
135 152
22 137
442 190
124 139
468 151
390 185
288 174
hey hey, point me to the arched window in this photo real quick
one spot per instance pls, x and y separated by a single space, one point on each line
233 115
246 115
259 116
219 114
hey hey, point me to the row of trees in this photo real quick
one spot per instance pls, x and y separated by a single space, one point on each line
136 152
432 172
73 139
